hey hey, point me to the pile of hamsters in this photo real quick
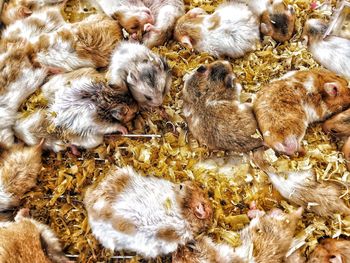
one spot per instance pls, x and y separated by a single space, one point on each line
173 131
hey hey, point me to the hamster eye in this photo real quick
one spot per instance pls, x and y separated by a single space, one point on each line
202 69
148 98
180 186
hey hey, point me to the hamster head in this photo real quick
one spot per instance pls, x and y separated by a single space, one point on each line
195 205
187 29
209 79
338 125
134 19
335 92
149 80
314 30
278 21
114 103
331 251
13 11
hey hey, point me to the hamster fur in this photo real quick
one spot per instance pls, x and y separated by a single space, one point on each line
147 215
27 240
88 43
214 114
86 108
232 30
15 87
19 169
285 107
331 52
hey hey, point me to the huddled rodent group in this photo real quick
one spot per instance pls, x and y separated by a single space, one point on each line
97 74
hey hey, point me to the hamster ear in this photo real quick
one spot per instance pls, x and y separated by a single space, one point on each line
291 9
336 259
119 112
200 211
265 29
24 11
299 212
332 88
202 69
131 79
186 41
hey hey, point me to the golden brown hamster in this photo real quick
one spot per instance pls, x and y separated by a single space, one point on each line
285 107
214 114
269 235
19 169
28 240
146 215
331 251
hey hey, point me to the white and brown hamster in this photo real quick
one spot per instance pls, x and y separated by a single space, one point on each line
147 215
43 21
332 52
303 189
269 236
285 107
150 21
146 74
214 114
205 250
82 109
19 169
15 87
28 240
232 30
278 21
331 251
14 10
89 43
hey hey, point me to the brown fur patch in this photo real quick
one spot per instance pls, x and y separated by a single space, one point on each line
123 225
96 40
188 26
20 243
20 168
168 234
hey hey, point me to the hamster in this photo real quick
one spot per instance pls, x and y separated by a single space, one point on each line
147 215
82 109
19 168
28 240
332 52
14 10
214 114
15 87
302 188
150 21
43 21
146 74
285 107
269 236
232 30
204 250
278 21
331 251
88 43
339 126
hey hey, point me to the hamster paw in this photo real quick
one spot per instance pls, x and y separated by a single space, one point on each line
75 150
149 27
